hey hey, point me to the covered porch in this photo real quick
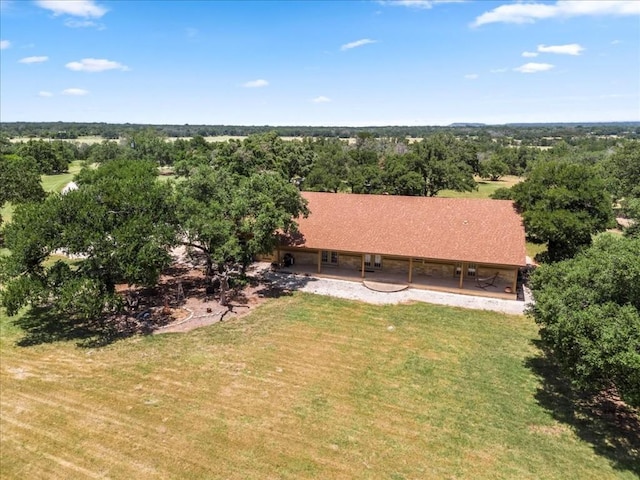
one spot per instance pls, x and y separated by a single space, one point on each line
496 281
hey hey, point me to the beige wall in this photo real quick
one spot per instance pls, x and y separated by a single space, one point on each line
395 265
432 269
303 258
504 273
350 261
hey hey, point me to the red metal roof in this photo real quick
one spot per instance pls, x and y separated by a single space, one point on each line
460 229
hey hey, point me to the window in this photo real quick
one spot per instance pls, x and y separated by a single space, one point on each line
471 270
329 258
377 261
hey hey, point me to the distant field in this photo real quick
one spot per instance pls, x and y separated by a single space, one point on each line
89 140
304 387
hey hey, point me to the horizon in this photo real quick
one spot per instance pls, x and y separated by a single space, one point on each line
407 63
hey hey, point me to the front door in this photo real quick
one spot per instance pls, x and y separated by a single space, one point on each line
373 261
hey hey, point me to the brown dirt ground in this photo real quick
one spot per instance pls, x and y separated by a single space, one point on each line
172 311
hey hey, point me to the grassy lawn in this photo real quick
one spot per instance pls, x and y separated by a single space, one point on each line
55 183
6 212
304 387
485 188
534 249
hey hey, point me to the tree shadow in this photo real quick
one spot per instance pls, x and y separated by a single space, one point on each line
276 284
599 418
44 325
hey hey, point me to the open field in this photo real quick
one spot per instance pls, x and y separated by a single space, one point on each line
485 188
304 387
89 140
50 183
55 183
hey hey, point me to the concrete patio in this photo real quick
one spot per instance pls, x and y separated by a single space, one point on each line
424 282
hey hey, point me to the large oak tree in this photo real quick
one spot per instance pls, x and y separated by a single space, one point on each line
563 204
119 225
588 308
231 218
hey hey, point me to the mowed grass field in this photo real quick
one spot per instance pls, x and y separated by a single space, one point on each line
485 188
55 183
304 387
50 183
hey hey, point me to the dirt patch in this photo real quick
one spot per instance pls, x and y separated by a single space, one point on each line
183 300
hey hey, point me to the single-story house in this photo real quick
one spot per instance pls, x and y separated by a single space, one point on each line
454 244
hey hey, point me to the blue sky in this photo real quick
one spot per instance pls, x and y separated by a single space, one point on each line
404 62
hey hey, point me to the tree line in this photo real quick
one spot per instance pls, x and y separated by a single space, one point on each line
532 134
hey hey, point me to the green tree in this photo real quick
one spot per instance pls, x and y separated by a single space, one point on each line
105 152
328 171
148 144
494 169
231 218
20 180
401 176
119 224
624 167
51 156
588 308
563 204
437 161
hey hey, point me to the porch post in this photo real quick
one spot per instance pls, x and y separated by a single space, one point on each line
362 265
464 266
319 261
278 255
410 268
515 281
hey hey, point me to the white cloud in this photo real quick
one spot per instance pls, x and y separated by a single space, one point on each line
569 49
534 67
615 42
76 8
73 23
422 4
95 65
531 12
529 54
471 76
44 93
499 70
29 60
78 92
321 99
357 43
4 44
255 83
